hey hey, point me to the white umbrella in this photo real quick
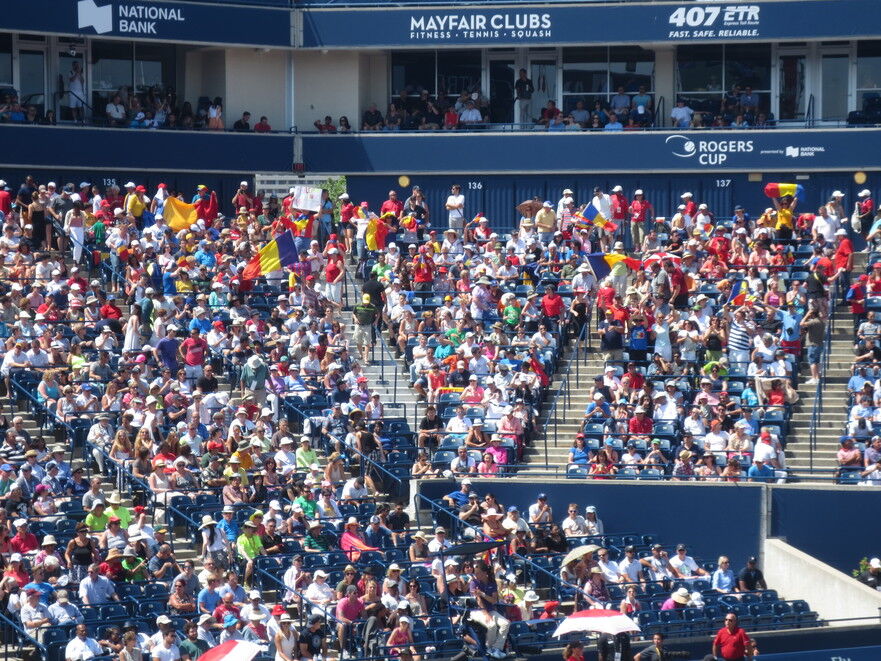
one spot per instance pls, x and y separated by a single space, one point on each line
233 650
598 620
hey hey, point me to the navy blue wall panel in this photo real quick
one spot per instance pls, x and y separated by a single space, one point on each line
837 527
709 152
131 149
711 519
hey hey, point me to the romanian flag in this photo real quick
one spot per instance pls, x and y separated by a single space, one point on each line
179 215
738 293
595 218
476 219
273 256
782 190
602 264
360 212
580 222
375 234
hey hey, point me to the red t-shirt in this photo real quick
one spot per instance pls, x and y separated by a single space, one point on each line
332 270
677 280
194 350
552 305
732 645
423 271
619 207
393 206
640 210
842 253
346 212
5 202
109 311
637 426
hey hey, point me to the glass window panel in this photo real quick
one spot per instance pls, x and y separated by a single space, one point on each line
748 65
154 67
585 70
32 67
699 68
631 68
869 65
412 72
457 72
5 59
834 86
111 65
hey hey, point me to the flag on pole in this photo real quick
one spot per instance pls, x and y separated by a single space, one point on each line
597 219
602 264
274 255
738 293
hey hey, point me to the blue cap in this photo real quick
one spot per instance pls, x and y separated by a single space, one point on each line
229 620
542 496
513 508
548 203
5 467
86 386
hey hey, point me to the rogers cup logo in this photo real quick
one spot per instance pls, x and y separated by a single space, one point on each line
708 152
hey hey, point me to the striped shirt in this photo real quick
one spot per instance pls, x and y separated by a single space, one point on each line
738 338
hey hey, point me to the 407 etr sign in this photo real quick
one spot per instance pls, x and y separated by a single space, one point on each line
714 21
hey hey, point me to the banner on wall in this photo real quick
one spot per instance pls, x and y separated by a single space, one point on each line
570 24
217 23
688 151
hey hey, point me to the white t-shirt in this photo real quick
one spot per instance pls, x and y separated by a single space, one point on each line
685 566
164 653
764 451
682 116
574 526
456 214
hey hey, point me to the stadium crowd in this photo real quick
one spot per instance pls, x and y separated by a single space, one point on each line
179 367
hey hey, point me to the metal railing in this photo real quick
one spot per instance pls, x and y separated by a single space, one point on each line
817 409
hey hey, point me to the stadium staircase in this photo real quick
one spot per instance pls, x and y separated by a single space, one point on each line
560 421
834 408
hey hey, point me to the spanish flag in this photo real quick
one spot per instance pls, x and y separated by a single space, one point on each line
273 256
592 215
179 215
783 190
602 264
375 234
409 223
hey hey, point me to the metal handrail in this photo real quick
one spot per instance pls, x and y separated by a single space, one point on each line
817 410
660 109
809 113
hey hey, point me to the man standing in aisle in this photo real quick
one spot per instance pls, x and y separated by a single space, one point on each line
365 317
456 208
732 643
523 90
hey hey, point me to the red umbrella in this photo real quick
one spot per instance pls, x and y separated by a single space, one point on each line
233 650
659 257
598 620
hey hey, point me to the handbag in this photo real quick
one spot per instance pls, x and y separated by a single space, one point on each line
856 224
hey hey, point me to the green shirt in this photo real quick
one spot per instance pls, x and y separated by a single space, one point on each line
365 314
315 544
306 458
133 574
511 314
309 506
123 513
249 547
455 336
193 648
97 523
100 233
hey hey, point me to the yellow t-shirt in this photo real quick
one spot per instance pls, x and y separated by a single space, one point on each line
784 219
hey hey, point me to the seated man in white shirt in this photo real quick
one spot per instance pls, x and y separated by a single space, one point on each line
286 458
684 566
459 423
574 525
610 569
630 568
471 115
82 647
463 463
716 440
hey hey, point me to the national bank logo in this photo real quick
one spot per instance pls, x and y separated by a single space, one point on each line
90 15
128 18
